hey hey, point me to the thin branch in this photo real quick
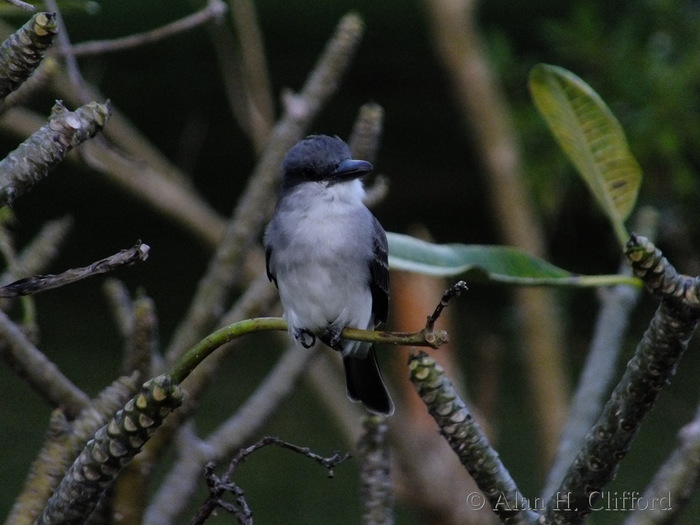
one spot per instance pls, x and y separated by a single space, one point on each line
41 283
213 10
193 357
22 5
218 487
260 100
74 74
43 376
454 291
171 499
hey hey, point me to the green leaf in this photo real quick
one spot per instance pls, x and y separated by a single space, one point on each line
502 264
591 137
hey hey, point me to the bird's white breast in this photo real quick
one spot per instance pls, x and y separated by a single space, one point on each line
322 265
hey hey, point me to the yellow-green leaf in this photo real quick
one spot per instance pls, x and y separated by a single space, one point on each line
591 137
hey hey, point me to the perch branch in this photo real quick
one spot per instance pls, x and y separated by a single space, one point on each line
194 356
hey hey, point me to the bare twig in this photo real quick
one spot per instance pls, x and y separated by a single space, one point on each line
260 100
214 9
21 5
218 487
43 376
454 291
171 499
40 283
76 77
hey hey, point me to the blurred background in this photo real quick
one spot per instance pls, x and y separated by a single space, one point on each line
642 57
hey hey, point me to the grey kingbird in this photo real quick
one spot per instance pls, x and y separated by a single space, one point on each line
327 255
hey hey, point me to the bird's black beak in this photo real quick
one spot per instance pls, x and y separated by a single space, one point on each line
351 169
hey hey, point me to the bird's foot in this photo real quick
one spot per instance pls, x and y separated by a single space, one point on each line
331 337
306 338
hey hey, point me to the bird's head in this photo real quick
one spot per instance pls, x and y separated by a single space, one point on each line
320 158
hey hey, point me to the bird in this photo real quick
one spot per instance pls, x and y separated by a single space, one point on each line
327 255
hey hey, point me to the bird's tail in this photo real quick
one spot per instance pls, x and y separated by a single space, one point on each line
365 384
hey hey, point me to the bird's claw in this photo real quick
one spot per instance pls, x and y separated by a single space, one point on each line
306 338
331 337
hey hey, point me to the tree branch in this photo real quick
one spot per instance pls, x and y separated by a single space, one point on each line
213 9
469 442
43 376
193 357
36 156
650 369
41 283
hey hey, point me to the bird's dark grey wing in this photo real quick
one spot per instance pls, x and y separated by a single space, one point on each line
379 274
270 273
